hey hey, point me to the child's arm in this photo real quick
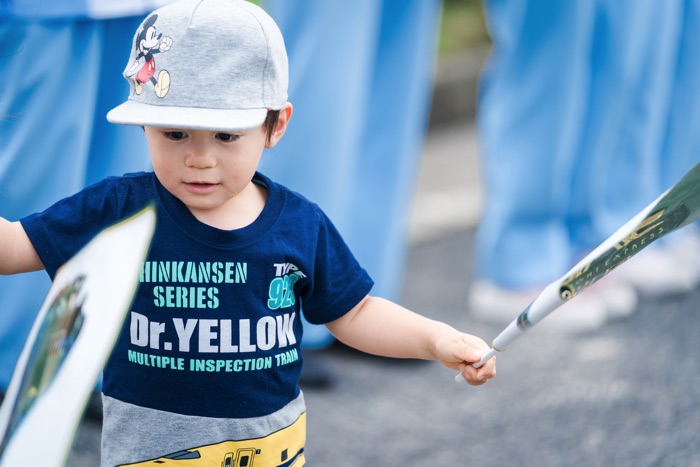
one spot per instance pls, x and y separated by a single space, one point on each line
17 254
381 327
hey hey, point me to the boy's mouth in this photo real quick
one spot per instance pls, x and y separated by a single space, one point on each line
200 187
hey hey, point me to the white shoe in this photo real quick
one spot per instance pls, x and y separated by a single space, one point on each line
685 248
619 297
497 305
657 272
583 313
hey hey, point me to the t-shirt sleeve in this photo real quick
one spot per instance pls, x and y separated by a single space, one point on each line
339 282
60 231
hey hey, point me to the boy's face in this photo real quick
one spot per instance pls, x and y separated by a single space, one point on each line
206 170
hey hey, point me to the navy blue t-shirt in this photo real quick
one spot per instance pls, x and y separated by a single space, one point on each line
214 329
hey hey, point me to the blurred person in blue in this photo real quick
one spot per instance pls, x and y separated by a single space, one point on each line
681 141
57 86
375 59
572 121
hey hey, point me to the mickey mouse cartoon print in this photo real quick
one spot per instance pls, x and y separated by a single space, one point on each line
148 43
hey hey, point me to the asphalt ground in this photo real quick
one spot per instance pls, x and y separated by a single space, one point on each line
625 395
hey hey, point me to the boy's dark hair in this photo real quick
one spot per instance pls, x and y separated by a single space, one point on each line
270 123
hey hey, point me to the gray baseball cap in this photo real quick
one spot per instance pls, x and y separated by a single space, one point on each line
215 65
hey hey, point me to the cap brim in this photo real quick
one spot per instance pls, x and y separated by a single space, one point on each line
136 113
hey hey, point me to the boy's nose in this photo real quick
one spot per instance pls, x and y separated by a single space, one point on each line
199 157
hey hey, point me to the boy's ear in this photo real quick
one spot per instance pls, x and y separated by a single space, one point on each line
281 126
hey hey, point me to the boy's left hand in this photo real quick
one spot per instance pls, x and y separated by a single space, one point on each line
458 351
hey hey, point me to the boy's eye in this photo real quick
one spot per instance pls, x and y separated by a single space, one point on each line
175 135
226 137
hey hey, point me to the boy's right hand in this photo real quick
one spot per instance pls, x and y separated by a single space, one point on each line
457 350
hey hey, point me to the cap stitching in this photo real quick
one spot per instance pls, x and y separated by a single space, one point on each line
267 54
